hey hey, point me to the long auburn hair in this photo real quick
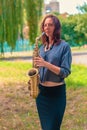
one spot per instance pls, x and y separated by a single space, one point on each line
56 33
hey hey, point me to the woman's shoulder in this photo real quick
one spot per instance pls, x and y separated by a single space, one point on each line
64 43
64 46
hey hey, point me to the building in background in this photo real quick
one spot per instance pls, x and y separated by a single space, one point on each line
52 6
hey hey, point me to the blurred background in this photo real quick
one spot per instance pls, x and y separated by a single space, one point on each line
20 22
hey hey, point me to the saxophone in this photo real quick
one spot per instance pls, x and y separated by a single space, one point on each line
34 72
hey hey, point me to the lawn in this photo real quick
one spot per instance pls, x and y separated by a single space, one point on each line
18 110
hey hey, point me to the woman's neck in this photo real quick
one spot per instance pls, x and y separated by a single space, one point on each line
49 45
50 41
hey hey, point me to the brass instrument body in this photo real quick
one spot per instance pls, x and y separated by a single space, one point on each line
34 73
33 82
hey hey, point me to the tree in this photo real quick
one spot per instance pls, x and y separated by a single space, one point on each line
12 16
11 21
74 29
34 12
68 32
83 8
81 29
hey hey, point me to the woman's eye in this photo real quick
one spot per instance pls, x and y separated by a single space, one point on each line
49 25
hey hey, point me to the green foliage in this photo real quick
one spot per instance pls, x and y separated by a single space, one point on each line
12 16
83 8
34 12
11 21
81 28
74 29
14 13
68 32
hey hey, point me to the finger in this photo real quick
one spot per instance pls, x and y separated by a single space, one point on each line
29 88
29 82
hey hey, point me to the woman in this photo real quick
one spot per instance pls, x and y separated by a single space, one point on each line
54 65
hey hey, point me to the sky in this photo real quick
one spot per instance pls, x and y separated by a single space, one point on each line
69 6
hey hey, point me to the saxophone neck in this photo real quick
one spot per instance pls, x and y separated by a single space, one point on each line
38 38
36 49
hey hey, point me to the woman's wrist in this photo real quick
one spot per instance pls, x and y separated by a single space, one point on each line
52 67
46 64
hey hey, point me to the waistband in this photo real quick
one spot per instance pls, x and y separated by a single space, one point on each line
51 84
55 91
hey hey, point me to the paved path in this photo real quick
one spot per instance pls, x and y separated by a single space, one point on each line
77 58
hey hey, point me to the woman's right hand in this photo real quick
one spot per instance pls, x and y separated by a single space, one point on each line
39 61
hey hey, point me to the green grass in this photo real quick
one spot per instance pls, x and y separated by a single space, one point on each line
14 72
18 110
78 77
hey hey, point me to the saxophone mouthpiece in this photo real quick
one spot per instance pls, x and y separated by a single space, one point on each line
38 38
43 33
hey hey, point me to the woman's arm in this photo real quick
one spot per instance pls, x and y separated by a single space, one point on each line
40 62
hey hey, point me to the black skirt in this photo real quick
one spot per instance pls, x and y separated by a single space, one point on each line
51 103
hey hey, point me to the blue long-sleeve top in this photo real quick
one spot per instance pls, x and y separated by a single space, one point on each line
59 55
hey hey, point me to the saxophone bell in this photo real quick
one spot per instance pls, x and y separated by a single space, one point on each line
32 72
33 82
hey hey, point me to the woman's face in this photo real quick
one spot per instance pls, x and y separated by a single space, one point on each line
49 27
